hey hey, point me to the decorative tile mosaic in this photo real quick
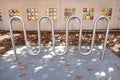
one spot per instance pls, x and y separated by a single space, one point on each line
1 19
69 12
52 13
88 13
14 12
32 13
107 12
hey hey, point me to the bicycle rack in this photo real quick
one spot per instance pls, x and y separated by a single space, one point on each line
93 37
39 36
67 28
106 36
11 32
25 35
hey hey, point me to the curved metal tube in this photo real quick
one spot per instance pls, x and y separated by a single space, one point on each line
67 28
39 34
93 37
12 36
106 37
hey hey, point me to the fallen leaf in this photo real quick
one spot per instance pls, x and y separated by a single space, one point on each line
90 69
78 77
22 75
67 64
22 67
19 63
117 66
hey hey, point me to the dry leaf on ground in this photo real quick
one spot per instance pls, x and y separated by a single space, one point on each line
67 64
22 67
90 69
22 75
19 63
78 77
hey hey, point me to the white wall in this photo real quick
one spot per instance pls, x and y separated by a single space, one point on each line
42 5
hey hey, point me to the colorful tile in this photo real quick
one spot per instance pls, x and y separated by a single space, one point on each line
32 13
14 12
52 13
1 19
88 13
107 12
69 12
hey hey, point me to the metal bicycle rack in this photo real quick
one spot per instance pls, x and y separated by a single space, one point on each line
93 37
25 35
106 36
53 38
67 28
12 36
39 36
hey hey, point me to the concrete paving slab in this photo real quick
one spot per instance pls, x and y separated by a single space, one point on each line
48 66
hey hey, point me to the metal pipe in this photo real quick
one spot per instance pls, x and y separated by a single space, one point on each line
93 37
106 37
12 36
67 28
39 34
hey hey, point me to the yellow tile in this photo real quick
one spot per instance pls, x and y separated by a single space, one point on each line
106 9
92 13
18 14
66 9
32 10
36 14
10 10
69 9
87 17
47 14
36 10
103 9
47 10
29 14
55 14
33 18
15 14
36 18
73 10
84 13
88 9
84 17
55 17
91 9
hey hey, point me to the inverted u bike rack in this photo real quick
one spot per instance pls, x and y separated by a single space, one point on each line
12 36
106 36
67 29
25 35
53 38
39 34
93 37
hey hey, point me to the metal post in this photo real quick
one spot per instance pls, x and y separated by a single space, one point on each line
39 34
12 36
93 37
106 37
67 28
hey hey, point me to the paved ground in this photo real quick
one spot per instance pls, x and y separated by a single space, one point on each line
47 66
